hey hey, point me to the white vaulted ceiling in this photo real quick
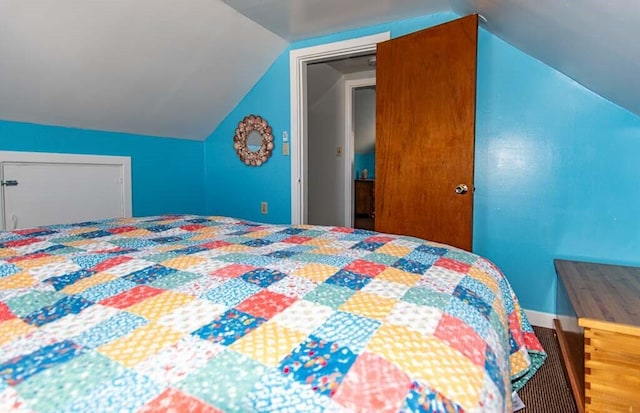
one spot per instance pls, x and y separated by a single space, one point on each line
177 68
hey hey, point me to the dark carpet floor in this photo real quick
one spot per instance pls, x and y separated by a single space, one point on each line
548 391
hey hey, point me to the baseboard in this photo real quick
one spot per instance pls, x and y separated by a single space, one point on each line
540 319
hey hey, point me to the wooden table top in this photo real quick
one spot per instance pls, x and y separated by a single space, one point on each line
602 292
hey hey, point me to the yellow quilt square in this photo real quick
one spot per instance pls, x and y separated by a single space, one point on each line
258 234
395 250
80 286
138 233
183 262
484 278
398 276
12 329
431 360
234 248
7 252
318 242
316 272
38 262
18 280
369 305
140 344
269 343
156 307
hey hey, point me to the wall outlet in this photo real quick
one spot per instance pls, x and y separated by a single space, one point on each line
339 151
285 148
264 207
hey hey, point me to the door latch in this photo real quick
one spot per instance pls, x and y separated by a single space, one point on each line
11 182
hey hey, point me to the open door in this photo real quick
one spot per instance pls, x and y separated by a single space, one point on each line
425 130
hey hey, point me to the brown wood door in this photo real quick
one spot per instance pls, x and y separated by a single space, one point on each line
425 130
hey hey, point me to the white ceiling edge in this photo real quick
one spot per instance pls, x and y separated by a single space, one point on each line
300 19
149 67
590 41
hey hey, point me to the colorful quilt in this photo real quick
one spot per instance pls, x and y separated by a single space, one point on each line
188 313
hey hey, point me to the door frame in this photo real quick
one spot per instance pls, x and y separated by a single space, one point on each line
349 145
298 60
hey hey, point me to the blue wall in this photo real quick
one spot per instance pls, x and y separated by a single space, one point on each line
366 161
556 165
167 174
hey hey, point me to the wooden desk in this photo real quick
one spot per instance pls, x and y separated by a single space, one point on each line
606 300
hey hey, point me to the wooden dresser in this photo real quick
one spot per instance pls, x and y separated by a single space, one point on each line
606 301
364 215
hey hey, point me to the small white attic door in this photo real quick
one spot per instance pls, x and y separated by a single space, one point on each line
46 189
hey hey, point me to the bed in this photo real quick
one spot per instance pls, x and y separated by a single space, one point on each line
189 313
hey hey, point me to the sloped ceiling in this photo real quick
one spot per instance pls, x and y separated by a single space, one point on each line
176 68
152 67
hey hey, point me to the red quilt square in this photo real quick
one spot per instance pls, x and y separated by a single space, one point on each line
461 337
172 400
343 229
364 267
378 238
233 270
111 262
373 384
132 296
453 265
5 312
265 304
215 244
295 239
121 230
28 257
21 242
192 227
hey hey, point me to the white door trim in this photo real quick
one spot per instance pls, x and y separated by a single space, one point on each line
298 60
349 145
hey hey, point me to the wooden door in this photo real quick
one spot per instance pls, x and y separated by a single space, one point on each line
425 130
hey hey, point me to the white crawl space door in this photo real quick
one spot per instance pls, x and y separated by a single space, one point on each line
45 189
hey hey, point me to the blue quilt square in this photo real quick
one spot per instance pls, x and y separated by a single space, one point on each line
347 330
424 258
61 308
87 260
8 269
423 399
257 243
319 363
62 281
281 254
369 246
19 369
96 234
480 289
428 249
492 368
349 279
263 277
470 315
158 228
165 240
149 274
109 330
232 293
292 231
411 266
229 327
471 298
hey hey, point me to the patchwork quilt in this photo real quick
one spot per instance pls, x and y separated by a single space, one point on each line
188 313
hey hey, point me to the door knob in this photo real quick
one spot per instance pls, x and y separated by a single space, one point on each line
462 189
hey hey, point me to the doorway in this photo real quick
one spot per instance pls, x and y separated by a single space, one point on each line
299 61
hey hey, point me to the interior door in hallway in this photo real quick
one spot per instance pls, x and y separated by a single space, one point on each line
425 132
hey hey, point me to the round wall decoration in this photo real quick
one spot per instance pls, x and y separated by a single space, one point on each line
253 140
